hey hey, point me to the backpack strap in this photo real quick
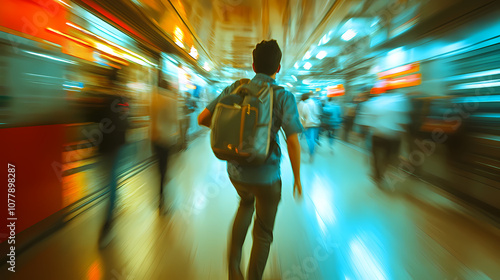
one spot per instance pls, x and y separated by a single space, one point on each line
241 83
244 81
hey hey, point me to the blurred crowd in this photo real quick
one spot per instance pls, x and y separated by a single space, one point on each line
376 122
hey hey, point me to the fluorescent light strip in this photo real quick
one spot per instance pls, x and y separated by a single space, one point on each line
64 4
70 37
492 83
172 60
479 99
109 42
474 75
50 57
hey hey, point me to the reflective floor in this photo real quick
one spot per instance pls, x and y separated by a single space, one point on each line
344 228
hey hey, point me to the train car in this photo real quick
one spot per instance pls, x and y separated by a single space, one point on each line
454 91
52 90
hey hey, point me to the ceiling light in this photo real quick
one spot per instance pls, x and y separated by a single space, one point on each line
295 78
180 44
348 35
206 67
288 84
307 55
321 55
296 65
307 66
324 40
193 53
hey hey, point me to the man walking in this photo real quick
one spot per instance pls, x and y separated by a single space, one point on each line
310 112
388 115
259 186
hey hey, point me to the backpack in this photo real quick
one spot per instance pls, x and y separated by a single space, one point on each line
241 124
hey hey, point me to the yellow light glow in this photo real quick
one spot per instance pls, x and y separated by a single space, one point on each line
194 52
178 34
178 37
105 49
134 59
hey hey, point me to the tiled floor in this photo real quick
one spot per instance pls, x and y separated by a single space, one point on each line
344 228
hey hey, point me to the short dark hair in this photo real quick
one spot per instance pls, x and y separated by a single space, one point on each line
267 57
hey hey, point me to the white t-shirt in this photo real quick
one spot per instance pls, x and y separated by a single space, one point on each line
309 113
386 114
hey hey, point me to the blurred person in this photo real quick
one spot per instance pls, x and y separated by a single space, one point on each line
417 117
319 104
189 106
388 119
259 186
113 127
300 106
310 117
350 113
331 118
362 120
165 132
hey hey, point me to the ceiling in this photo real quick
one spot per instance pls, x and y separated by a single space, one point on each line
227 30
224 32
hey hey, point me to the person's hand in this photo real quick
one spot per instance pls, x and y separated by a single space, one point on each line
297 189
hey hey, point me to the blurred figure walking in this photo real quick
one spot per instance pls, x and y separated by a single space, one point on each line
388 115
350 114
189 106
165 132
113 127
310 114
331 119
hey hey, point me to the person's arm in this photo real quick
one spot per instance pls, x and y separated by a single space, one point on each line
293 146
205 118
292 127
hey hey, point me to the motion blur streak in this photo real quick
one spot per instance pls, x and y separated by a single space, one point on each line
107 174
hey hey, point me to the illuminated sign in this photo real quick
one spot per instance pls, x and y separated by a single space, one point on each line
407 81
337 90
400 71
394 83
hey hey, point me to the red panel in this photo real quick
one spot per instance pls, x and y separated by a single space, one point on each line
32 17
36 153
